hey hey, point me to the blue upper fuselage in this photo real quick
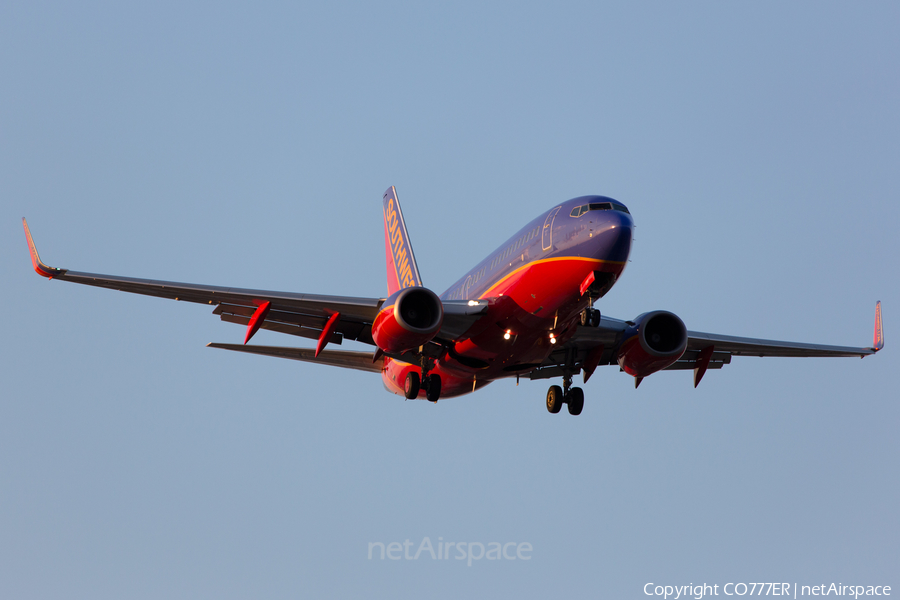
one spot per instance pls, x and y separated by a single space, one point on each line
588 227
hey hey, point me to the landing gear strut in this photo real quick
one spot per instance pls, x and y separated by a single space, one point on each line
571 396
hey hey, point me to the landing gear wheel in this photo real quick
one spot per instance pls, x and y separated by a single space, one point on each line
433 387
575 401
590 317
554 399
411 385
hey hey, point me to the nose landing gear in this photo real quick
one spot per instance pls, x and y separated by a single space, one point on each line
554 399
590 317
573 397
575 401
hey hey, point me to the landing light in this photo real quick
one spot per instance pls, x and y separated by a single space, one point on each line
507 335
473 303
552 339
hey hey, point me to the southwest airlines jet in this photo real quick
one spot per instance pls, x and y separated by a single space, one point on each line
524 311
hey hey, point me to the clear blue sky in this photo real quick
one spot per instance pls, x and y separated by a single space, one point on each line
756 145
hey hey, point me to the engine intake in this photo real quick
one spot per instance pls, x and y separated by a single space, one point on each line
656 340
408 319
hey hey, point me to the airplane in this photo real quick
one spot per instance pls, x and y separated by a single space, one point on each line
527 310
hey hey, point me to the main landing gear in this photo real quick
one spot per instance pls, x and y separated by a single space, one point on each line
573 397
413 383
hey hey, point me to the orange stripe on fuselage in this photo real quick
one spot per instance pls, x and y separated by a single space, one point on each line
510 279
561 295
544 296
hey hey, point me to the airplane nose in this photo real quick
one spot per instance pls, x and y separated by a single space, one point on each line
620 220
614 236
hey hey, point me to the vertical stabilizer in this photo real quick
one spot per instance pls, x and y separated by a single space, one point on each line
402 271
878 339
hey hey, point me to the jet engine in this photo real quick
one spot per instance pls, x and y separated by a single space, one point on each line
408 319
655 340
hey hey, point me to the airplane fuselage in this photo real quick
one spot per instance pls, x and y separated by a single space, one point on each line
535 283
516 313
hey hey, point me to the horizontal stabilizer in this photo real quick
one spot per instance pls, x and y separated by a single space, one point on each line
361 361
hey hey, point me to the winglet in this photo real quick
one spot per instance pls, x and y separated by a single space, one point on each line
878 338
402 271
39 267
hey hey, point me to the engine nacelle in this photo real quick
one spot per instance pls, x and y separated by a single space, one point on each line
408 319
656 340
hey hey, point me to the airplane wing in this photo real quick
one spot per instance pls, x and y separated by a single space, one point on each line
303 315
591 347
308 316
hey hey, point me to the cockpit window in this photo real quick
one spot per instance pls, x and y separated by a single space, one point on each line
580 210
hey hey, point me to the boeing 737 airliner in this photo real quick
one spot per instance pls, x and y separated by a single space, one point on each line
524 311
